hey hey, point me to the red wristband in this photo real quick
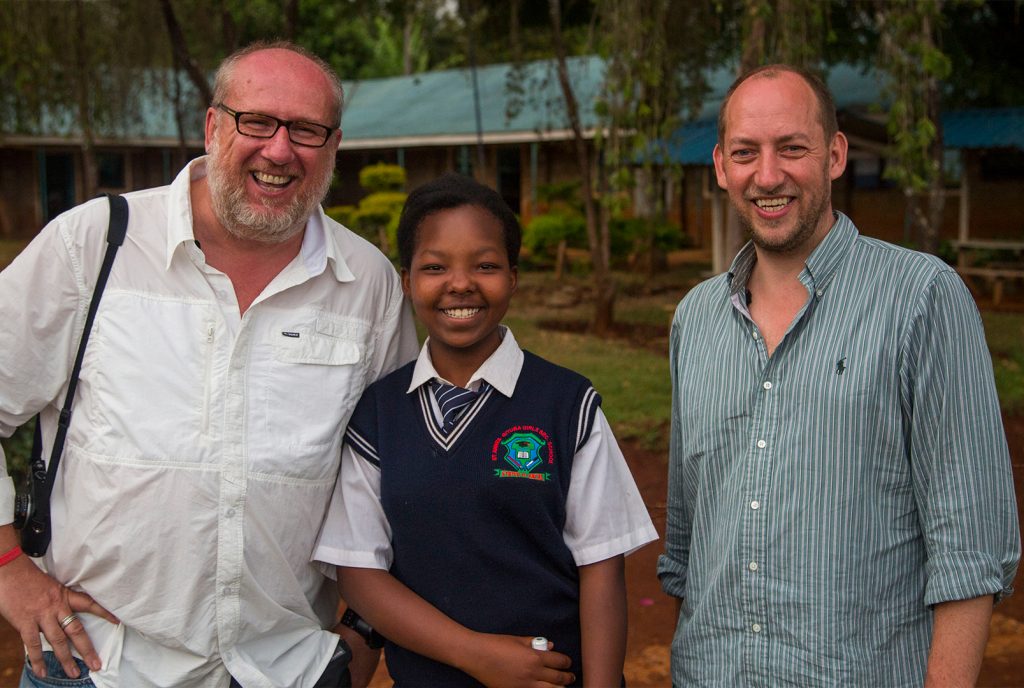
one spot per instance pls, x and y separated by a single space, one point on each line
10 555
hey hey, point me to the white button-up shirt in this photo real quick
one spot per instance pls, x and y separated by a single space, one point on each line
204 444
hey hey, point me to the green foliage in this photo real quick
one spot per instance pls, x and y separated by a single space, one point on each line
915 65
633 382
1005 335
544 232
18 450
566 193
382 177
376 216
342 214
638 234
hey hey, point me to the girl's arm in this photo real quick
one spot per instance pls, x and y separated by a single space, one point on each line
603 621
405 618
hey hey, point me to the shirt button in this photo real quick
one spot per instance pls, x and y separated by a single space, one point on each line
230 513
756 628
761 444
754 334
752 566
767 385
755 505
819 293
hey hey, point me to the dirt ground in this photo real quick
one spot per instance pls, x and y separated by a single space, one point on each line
652 613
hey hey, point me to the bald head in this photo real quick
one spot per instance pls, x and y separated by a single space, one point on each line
826 104
285 51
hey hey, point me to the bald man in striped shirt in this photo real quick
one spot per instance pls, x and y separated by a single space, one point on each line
841 507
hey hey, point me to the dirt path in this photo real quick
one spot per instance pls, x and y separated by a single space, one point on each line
652 614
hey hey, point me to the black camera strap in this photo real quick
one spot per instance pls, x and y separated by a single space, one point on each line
36 533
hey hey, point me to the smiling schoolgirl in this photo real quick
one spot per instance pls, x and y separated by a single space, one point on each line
482 498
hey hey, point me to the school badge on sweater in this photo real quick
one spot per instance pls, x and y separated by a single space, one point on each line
524 448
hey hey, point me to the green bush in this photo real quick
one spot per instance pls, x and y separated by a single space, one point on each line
18 450
633 234
566 194
544 232
342 214
380 211
382 177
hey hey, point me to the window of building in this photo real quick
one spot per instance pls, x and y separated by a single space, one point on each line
110 171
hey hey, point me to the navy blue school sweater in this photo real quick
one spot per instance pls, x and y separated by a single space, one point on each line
477 516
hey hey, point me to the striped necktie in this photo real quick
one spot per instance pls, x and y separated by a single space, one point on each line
453 401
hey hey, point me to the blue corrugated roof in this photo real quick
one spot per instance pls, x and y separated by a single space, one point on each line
436 108
437 105
152 120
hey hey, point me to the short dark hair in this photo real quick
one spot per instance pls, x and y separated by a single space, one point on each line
826 104
454 191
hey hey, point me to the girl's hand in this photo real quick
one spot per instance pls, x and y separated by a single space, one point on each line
507 661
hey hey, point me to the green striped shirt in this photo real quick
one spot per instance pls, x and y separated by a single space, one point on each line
821 500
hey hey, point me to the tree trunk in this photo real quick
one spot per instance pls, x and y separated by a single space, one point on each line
83 90
184 58
407 27
597 228
936 188
291 19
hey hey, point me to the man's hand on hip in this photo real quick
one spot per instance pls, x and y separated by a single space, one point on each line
34 603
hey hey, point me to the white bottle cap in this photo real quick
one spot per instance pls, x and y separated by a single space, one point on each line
540 643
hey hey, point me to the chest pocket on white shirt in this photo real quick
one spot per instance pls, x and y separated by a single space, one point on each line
316 377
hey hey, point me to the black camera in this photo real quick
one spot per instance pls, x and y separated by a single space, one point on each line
29 518
22 509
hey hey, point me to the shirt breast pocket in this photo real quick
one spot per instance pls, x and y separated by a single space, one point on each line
314 381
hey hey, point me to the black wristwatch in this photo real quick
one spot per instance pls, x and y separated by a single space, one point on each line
373 639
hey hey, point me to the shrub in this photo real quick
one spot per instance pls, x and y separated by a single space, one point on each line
342 214
377 218
544 232
633 234
382 177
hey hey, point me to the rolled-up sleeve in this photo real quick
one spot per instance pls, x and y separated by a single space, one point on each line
962 477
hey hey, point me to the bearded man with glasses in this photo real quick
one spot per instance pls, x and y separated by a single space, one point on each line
238 328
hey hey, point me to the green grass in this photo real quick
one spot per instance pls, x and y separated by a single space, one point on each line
1005 335
633 382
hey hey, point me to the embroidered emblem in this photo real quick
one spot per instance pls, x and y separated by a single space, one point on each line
523 447
841 366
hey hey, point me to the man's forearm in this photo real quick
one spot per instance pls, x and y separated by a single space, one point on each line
959 636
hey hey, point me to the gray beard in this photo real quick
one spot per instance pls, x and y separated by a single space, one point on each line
263 222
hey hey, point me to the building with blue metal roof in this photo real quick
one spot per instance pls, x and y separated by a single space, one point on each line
513 118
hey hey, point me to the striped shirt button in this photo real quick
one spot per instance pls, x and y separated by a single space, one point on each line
767 385
754 334
752 566
756 628
761 444
755 505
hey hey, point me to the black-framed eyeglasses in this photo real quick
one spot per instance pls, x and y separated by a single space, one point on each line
262 126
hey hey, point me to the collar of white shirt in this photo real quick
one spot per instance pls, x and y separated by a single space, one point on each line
500 370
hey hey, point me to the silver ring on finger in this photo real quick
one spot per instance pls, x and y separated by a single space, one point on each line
68 620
